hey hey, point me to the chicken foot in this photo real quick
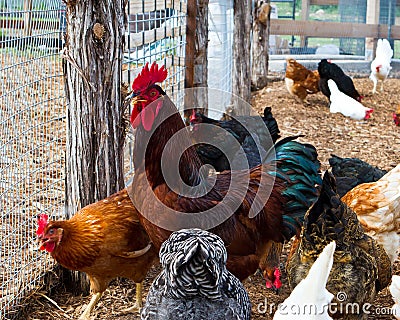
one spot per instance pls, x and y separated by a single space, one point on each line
86 314
138 303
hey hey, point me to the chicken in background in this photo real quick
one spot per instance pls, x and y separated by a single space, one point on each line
300 81
380 66
350 172
194 282
212 155
311 291
377 205
361 267
270 266
396 116
246 230
328 70
342 103
105 240
394 289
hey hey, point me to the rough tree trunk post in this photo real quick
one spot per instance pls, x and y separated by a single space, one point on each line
200 56
262 10
95 139
241 82
198 53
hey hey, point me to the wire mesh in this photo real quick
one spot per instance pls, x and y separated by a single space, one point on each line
32 140
156 32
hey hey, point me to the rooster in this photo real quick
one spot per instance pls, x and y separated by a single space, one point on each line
235 205
342 103
361 267
350 172
311 291
380 66
377 205
300 81
194 283
328 70
266 130
105 240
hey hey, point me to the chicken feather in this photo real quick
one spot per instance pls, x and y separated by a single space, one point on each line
361 267
377 205
246 229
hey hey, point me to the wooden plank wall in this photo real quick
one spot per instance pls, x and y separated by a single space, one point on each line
322 29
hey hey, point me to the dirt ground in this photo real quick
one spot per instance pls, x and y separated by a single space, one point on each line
376 141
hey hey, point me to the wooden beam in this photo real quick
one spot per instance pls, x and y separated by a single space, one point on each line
305 13
28 17
325 2
320 29
373 9
190 50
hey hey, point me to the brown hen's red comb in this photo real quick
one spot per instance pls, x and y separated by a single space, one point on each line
148 77
42 222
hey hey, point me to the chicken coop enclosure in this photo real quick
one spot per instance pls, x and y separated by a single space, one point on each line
33 113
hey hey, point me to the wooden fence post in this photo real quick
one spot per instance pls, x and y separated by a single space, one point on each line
28 6
241 82
95 134
196 55
262 10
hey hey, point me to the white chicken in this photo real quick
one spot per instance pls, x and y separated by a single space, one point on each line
310 298
380 66
395 291
377 205
342 103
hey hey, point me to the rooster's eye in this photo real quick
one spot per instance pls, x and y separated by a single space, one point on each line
153 93
51 231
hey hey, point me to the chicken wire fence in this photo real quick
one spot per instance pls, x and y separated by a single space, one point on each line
33 121
32 139
32 109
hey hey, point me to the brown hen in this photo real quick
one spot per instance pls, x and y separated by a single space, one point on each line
300 81
105 240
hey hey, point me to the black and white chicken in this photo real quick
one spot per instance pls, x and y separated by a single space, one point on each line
194 283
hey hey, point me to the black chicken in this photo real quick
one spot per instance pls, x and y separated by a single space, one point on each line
350 172
233 131
328 70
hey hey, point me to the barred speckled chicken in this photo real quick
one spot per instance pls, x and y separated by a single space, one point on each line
194 283
361 267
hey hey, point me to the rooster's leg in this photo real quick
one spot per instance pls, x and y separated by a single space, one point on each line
86 314
381 85
138 304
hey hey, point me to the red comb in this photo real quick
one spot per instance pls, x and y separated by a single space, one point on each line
193 117
148 77
42 222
